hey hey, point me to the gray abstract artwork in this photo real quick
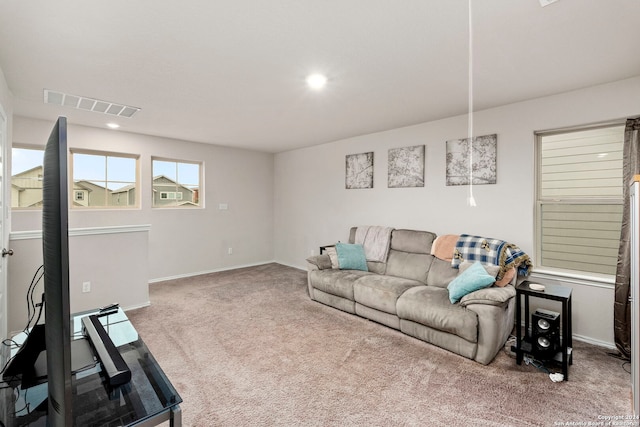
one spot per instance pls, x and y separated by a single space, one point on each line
359 170
406 167
472 163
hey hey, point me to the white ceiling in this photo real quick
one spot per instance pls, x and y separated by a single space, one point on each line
232 72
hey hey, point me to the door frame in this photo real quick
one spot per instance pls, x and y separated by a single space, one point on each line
5 221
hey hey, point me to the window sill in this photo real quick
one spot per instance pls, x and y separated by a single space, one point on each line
574 277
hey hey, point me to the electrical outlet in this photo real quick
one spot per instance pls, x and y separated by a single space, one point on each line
230 251
86 286
312 252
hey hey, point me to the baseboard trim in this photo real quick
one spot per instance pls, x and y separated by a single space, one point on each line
200 273
594 341
297 267
137 306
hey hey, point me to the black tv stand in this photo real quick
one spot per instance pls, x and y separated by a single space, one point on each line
147 399
29 366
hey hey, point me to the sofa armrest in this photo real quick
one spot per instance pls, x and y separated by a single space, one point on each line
319 262
489 296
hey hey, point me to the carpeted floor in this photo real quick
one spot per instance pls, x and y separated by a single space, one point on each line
249 348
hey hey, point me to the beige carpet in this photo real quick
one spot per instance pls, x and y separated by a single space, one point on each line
249 348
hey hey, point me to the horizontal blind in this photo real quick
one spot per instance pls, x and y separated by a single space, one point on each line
583 164
580 199
583 237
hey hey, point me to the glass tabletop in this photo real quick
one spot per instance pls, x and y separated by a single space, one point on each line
148 394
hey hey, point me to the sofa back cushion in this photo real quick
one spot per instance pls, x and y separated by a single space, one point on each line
441 273
409 265
418 242
410 254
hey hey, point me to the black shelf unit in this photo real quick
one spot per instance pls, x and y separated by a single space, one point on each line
523 346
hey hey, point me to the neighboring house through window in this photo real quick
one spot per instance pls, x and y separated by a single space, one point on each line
579 200
104 179
26 177
176 183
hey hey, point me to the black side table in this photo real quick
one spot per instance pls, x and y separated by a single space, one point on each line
524 344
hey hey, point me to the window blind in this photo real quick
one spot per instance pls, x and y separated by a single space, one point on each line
582 164
583 237
580 199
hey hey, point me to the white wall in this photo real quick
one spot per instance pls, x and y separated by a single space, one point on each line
113 260
312 206
180 241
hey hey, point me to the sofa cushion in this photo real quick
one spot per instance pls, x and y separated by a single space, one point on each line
493 295
408 265
377 267
336 282
320 261
441 273
381 292
472 279
351 257
418 242
430 306
492 270
333 256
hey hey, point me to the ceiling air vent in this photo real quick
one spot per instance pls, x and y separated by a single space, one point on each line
88 104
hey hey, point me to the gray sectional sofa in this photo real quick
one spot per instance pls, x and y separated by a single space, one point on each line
409 293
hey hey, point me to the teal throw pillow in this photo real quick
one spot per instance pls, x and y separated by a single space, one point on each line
472 279
351 257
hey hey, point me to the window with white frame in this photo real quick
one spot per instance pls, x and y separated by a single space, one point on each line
104 179
579 199
176 183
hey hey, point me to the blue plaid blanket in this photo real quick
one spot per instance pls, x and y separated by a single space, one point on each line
491 251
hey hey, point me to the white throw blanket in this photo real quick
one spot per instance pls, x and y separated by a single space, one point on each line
375 240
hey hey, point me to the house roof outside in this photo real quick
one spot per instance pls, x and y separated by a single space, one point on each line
25 179
233 73
124 189
162 179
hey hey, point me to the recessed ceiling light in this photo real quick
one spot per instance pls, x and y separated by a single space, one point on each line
316 81
113 125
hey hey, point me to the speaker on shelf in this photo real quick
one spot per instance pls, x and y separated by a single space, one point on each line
545 334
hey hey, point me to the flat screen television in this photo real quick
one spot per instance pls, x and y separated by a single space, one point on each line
55 254
52 340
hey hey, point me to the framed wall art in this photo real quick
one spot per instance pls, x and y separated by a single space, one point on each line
406 167
472 161
359 171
